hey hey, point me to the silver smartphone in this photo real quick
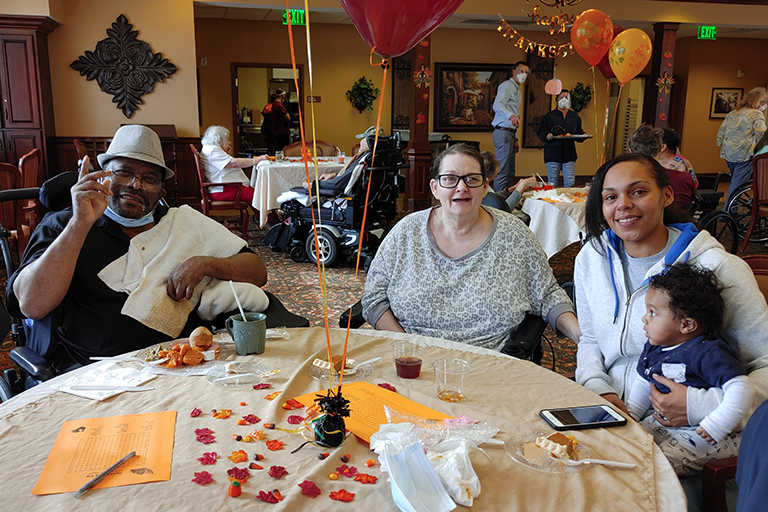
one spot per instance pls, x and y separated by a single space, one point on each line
589 416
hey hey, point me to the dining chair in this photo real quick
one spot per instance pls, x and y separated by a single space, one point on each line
759 194
11 213
29 166
323 148
207 204
82 151
716 473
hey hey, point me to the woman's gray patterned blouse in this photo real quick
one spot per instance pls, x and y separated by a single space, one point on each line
478 299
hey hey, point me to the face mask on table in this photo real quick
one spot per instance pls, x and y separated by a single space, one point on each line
521 77
564 103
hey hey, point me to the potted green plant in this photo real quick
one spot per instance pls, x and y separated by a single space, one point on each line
580 96
362 95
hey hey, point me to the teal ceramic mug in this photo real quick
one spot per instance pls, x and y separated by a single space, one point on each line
249 335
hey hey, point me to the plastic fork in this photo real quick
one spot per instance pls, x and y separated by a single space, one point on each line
586 462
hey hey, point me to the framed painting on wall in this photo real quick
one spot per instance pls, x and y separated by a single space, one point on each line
723 101
464 95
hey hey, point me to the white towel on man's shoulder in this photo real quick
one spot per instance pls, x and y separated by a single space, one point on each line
152 255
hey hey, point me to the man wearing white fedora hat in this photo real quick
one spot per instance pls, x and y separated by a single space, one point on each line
116 218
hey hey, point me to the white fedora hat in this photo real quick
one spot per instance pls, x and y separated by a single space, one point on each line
138 142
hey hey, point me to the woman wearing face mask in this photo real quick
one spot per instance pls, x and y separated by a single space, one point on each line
741 130
559 154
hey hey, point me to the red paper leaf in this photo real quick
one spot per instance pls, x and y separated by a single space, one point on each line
208 458
263 385
277 472
203 478
267 497
195 412
309 488
295 419
239 473
348 472
365 479
388 386
252 418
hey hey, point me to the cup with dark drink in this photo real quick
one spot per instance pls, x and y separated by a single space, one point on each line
408 356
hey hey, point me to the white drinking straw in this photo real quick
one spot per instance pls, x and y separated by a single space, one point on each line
237 299
541 180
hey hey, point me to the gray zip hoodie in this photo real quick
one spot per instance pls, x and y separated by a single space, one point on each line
612 335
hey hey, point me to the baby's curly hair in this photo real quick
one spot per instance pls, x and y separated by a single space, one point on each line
694 292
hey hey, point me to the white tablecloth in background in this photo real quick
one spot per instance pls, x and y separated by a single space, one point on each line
556 225
270 179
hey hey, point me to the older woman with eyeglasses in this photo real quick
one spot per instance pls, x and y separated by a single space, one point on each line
461 271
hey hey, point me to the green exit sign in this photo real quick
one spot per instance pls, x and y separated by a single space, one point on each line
707 32
297 17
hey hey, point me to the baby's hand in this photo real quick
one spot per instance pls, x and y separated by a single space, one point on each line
704 434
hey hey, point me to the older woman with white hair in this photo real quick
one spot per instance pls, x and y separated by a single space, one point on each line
221 167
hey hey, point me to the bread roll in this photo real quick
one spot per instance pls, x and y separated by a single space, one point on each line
201 338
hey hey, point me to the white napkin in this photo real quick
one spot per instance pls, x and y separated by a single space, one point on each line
552 195
105 374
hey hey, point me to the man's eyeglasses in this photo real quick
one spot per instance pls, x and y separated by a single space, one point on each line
452 180
148 182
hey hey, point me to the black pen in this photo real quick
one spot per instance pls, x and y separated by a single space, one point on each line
101 476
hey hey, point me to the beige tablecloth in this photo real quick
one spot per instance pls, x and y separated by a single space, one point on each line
270 179
556 225
503 390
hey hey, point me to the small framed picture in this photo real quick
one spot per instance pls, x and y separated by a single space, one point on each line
723 101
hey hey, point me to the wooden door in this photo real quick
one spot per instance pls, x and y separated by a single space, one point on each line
20 142
19 82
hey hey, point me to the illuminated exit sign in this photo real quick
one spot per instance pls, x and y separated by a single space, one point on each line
297 17
708 33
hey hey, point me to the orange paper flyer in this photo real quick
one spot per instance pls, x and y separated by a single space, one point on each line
85 448
366 406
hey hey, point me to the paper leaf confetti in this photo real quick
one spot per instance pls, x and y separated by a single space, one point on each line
203 478
387 386
342 495
295 419
204 435
241 474
365 479
309 488
238 456
274 445
263 385
195 412
251 418
208 458
348 472
277 472
272 396
292 404
267 497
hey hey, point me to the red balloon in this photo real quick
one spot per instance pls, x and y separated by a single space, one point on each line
396 26
591 35
604 66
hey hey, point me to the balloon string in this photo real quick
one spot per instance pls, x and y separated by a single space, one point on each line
594 103
320 266
605 122
367 194
615 115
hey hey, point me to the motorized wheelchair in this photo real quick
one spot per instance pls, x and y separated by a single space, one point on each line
341 214
31 367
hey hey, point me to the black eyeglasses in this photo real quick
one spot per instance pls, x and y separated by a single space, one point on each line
452 180
148 182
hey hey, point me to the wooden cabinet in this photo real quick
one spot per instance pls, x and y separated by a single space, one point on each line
26 102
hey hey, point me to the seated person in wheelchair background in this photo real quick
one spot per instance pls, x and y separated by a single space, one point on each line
647 140
462 272
510 195
117 271
339 181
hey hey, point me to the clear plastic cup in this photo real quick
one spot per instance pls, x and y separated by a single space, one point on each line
279 155
408 357
450 376
341 157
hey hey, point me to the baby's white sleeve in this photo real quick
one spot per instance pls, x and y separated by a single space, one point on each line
737 398
639 398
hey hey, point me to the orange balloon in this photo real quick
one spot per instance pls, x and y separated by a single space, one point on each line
591 35
553 86
629 54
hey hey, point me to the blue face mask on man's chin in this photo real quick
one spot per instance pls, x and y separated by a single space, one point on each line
130 223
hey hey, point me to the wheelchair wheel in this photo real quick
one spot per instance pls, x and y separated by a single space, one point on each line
740 208
328 245
721 225
298 254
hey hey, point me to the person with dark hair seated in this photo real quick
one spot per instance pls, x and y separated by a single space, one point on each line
647 140
118 271
435 266
669 158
